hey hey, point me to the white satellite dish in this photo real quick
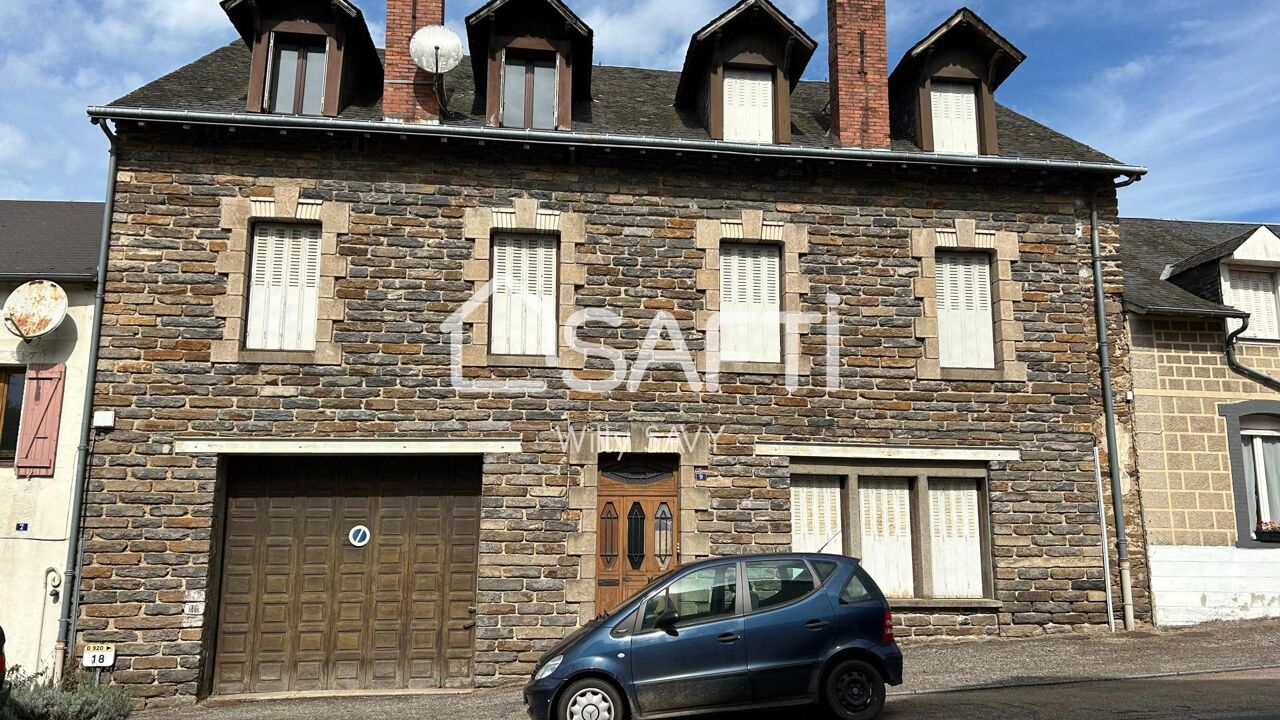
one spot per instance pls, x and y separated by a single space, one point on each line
436 49
35 309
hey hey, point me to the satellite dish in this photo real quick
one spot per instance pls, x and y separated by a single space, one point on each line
35 309
436 49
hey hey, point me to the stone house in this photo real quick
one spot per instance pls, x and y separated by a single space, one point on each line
44 374
1206 413
416 372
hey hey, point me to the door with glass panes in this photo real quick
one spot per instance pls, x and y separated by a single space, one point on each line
636 524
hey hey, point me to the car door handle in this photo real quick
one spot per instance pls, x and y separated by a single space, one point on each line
816 624
729 638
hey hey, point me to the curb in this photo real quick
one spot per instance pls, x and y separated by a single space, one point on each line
1080 681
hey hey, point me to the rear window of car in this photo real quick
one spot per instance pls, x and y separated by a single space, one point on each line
856 591
825 569
777 582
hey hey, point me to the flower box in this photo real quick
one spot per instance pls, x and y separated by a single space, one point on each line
1267 536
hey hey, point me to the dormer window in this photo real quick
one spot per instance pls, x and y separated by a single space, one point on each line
531 61
740 71
529 90
297 75
748 105
955 118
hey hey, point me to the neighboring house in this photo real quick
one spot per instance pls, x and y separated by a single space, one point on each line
42 386
407 393
1207 413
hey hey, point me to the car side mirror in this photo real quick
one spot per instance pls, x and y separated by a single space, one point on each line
668 619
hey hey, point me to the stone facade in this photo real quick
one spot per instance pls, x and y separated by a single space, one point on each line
408 259
1187 407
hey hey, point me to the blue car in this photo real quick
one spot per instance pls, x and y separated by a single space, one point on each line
730 634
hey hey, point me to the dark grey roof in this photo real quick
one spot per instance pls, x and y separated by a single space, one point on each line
627 101
49 239
1148 246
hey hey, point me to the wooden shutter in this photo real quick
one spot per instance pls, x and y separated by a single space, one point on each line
41 415
750 324
955 118
1255 293
524 295
886 535
284 287
965 322
748 105
815 515
956 539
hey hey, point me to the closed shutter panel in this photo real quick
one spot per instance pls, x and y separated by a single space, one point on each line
955 118
955 538
41 417
748 105
524 296
886 535
815 515
1255 293
964 310
284 287
750 324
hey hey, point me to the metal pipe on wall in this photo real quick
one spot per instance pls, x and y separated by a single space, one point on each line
71 576
1234 361
1108 406
1102 523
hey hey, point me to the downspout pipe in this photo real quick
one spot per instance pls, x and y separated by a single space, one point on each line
71 576
1108 404
1234 361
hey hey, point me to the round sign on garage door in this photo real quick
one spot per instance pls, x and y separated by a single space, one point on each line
359 536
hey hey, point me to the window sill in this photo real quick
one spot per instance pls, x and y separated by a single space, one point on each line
936 603
753 368
324 354
522 361
980 374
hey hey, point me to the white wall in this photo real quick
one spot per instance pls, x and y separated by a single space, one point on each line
27 613
1192 584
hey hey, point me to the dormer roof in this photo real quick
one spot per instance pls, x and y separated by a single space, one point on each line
550 19
701 46
964 29
248 15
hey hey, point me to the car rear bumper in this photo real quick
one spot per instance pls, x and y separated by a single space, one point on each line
892 660
538 696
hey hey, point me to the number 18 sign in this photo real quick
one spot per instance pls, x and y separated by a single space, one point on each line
100 655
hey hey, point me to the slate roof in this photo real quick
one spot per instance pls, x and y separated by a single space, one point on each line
627 101
1148 246
49 239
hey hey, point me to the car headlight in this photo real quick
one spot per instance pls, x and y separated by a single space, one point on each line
549 668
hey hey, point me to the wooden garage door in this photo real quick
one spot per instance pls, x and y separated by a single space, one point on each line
302 608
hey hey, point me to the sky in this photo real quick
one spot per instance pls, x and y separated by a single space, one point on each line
1183 87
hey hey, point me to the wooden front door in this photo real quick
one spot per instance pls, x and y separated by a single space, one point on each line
637 525
303 608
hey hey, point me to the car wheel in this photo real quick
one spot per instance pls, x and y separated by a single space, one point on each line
590 699
854 691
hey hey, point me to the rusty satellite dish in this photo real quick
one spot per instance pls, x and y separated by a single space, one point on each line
35 309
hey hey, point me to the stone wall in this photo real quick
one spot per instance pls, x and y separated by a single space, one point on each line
151 511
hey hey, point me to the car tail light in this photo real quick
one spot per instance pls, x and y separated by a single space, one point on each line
887 637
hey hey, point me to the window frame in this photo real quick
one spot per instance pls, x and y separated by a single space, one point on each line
780 329
749 67
530 59
299 32
1229 296
519 358
917 476
248 290
1236 416
947 84
991 306
738 601
6 372
745 585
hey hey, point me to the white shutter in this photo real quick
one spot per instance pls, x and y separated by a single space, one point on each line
284 287
886 535
965 322
750 324
1255 293
955 538
748 105
955 118
524 296
815 515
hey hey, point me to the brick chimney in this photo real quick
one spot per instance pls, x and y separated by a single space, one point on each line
409 92
859 56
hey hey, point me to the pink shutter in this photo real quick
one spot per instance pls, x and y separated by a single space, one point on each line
41 414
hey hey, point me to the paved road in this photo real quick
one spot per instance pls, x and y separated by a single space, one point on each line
1235 695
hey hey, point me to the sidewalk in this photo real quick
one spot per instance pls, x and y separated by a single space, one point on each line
930 667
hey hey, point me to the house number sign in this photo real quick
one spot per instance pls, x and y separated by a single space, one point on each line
99 655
